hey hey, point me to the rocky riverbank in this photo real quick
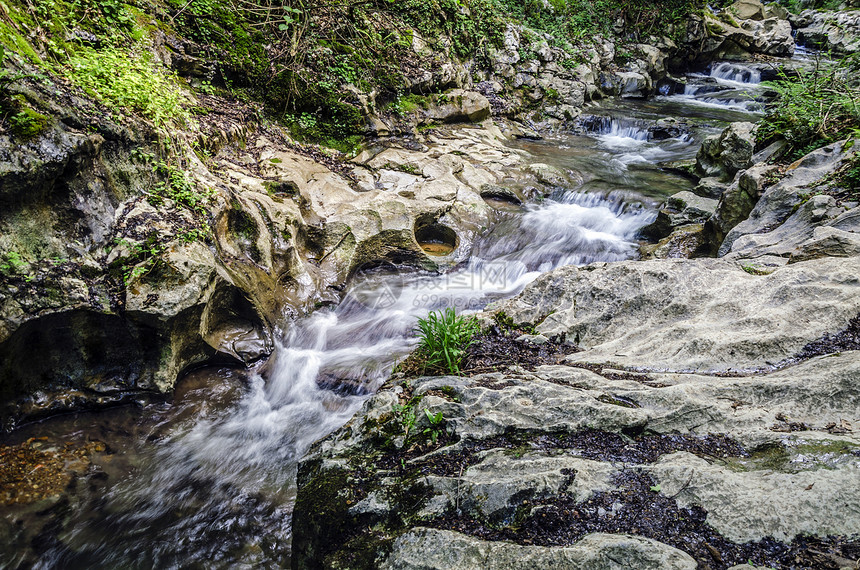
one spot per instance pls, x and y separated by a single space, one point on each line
676 408
704 415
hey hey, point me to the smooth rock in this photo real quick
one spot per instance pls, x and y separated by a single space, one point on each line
430 549
700 314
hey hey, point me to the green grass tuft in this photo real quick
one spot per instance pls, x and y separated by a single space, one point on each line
445 336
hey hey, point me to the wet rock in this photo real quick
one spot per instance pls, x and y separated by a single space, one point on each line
438 549
691 208
684 242
710 187
725 154
683 209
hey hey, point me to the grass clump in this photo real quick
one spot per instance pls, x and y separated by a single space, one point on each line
445 336
130 80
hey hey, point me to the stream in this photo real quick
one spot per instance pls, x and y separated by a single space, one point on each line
207 480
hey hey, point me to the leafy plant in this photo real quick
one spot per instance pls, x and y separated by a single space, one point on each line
445 336
813 109
405 414
129 80
436 420
178 188
12 264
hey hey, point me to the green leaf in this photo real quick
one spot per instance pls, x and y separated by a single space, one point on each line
655 488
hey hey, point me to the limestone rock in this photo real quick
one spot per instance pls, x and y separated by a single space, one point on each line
739 199
430 549
783 198
725 154
458 105
692 208
827 241
776 504
747 10
690 314
837 31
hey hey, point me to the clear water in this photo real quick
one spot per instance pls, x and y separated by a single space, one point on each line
208 480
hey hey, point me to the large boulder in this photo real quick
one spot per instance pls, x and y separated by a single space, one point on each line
666 464
725 154
458 105
785 197
739 199
837 32
731 39
747 10
703 314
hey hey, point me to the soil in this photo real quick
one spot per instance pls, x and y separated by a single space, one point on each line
590 444
848 339
495 350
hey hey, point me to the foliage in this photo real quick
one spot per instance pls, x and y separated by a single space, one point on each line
142 257
129 80
798 6
12 264
434 430
177 187
445 336
813 109
24 122
407 416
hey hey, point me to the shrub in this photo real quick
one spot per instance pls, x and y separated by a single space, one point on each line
445 336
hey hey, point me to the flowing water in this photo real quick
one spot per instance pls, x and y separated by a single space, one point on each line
208 480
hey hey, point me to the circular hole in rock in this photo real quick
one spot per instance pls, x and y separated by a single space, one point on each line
436 239
501 199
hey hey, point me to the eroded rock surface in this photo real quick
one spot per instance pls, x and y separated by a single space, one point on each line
743 461
128 299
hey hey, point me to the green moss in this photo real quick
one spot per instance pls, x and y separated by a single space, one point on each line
797 455
27 124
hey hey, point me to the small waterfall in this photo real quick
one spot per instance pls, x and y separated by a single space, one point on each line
621 128
736 73
728 85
